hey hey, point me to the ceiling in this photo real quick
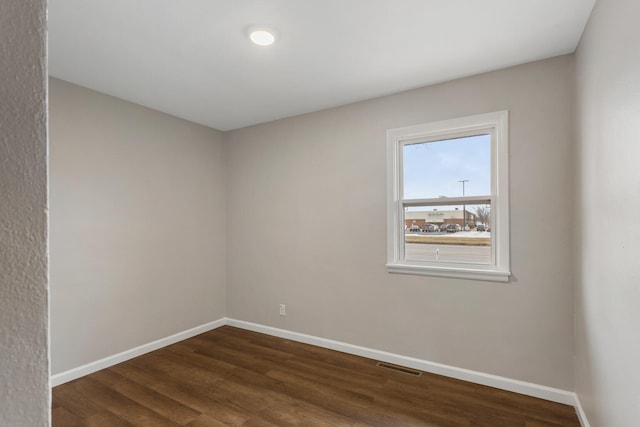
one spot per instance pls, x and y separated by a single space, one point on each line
193 58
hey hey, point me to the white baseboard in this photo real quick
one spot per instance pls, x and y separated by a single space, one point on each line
522 387
89 368
582 416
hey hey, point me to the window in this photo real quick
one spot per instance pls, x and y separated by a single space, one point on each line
448 198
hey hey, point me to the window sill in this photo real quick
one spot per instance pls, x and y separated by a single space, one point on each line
458 273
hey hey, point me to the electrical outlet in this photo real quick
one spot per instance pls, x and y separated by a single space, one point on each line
283 310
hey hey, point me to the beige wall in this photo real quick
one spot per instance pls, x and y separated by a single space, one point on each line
319 243
137 225
24 362
607 294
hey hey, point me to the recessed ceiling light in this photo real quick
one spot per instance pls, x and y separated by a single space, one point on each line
262 37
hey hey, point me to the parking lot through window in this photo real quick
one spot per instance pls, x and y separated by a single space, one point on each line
448 198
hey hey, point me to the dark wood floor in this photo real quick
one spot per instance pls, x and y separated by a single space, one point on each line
230 376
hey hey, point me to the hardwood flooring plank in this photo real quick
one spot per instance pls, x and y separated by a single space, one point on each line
352 405
121 406
260 394
261 403
346 378
246 346
157 402
60 416
191 395
105 419
70 397
206 421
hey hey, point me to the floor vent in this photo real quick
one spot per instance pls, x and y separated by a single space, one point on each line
397 368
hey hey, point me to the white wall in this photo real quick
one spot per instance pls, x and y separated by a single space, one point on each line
137 225
607 294
306 209
24 363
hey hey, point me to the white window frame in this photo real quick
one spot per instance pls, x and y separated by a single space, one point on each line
497 124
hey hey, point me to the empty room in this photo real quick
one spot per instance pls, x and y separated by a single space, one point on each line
342 212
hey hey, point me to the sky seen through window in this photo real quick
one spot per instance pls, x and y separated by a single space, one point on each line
435 169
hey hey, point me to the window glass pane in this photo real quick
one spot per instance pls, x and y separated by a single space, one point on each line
448 167
457 234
